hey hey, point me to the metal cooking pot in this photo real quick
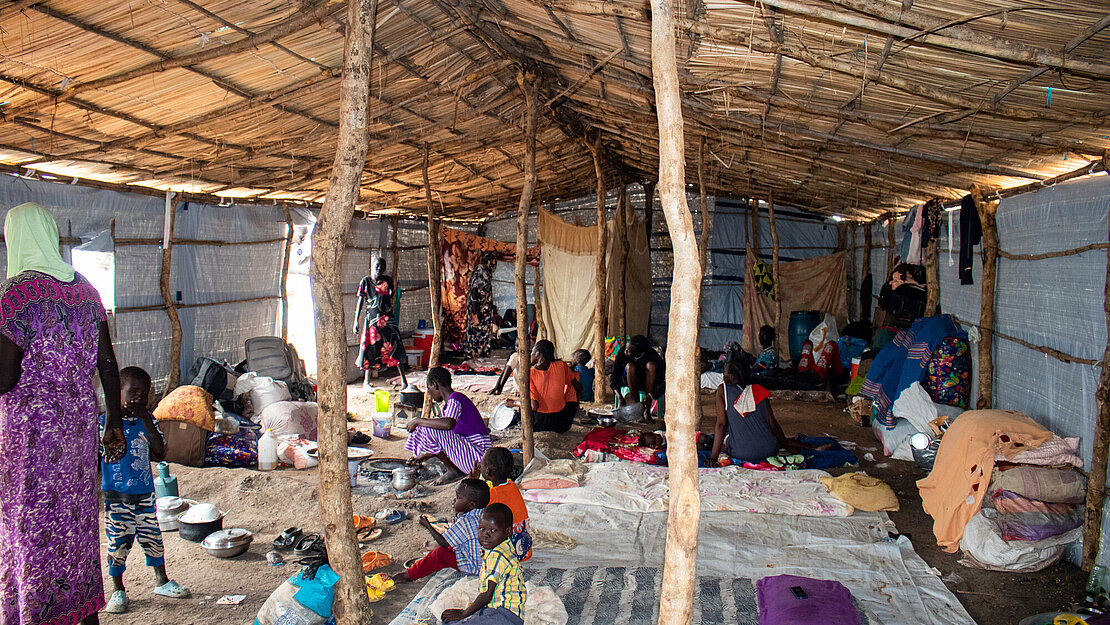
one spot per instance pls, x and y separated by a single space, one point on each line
412 397
404 478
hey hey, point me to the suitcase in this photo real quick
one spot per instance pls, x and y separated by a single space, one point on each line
215 377
272 357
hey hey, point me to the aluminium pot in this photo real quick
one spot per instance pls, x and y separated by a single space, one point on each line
412 397
197 532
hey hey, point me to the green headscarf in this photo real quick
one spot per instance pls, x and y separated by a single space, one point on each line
31 235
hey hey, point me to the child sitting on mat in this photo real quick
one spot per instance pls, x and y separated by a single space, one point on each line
578 361
458 547
496 467
768 359
501 596
128 485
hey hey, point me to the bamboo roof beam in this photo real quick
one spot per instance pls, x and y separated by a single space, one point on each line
243 31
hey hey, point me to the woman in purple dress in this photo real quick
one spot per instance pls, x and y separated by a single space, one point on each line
459 438
53 337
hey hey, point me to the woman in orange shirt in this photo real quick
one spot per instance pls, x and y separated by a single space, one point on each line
554 390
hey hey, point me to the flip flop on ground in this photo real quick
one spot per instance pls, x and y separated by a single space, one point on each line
172 590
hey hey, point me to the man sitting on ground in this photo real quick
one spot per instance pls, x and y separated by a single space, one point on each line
639 375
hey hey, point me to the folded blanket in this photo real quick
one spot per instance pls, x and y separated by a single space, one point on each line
1054 452
1020 518
562 473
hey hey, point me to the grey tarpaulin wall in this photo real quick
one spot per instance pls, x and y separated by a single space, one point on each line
1057 302
800 236
200 274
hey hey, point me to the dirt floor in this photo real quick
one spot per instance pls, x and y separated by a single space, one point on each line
267 503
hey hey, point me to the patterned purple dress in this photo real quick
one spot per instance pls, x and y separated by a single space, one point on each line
49 532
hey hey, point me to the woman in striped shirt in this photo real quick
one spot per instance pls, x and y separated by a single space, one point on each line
459 438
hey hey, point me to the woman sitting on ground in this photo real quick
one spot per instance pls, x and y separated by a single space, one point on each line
459 438
744 414
554 390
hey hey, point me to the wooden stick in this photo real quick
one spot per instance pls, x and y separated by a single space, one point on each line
541 328
1057 254
176 334
753 206
523 347
1096 484
703 203
932 278
620 266
601 308
649 208
351 605
850 266
283 288
396 267
435 282
986 300
774 260
676 596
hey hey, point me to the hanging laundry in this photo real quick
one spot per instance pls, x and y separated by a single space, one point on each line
908 236
931 219
971 233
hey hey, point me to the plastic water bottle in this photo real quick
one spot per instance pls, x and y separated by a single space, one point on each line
267 452
165 485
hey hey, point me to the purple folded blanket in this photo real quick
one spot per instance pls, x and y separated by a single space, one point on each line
826 603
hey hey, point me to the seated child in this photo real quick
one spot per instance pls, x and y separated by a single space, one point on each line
128 485
657 440
501 596
458 546
578 361
496 467
768 359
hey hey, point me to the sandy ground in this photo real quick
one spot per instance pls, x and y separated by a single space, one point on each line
267 503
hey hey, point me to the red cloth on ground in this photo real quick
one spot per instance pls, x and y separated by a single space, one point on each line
437 559
616 442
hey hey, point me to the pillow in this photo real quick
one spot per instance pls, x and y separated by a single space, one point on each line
1041 483
1020 518
190 404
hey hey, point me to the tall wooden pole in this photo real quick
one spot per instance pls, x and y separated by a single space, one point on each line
703 204
986 300
167 296
601 311
649 209
621 250
286 252
865 270
932 280
435 283
523 347
774 259
395 268
676 597
351 605
753 206
1096 485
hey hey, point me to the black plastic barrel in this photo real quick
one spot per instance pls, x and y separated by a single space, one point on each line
802 322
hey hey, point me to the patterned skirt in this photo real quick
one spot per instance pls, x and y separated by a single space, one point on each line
464 451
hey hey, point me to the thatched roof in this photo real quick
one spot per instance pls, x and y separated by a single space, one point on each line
853 107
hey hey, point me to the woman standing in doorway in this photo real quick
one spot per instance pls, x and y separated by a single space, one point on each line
53 337
380 342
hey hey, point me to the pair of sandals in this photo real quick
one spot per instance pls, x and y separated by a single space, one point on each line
302 544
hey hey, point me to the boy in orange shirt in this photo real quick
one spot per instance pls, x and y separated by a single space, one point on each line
496 467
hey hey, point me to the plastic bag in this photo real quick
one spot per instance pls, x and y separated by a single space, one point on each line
259 392
826 331
300 601
984 547
294 451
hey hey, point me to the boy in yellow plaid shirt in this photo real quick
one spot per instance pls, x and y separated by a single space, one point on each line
501 585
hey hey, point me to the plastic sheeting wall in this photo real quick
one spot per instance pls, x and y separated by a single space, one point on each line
199 273
800 236
1056 302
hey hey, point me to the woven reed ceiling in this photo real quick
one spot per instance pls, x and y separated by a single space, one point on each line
850 107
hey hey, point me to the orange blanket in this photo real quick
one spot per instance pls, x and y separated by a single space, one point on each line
953 491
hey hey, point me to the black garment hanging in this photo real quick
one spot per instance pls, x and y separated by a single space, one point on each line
971 233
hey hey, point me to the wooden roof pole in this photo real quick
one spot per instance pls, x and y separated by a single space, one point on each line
1096 484
986 211
865 270
435 282
601 310
167 298
889 246
527 84
620 266
676 597
286 252
851 267
351 605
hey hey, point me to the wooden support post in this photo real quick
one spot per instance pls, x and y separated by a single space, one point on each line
753 206
865 270
620 248
986 211
523 344
841 236
703 204
174 376
890 246
676 597
351 605
435 283
775 260
601 310
853 296
283 287
1096 484
932 279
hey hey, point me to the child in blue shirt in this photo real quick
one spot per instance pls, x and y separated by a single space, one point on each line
128 487
578 361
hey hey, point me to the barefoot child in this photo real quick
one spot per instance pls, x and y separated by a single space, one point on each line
501 585
128 486
496 467
458 546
